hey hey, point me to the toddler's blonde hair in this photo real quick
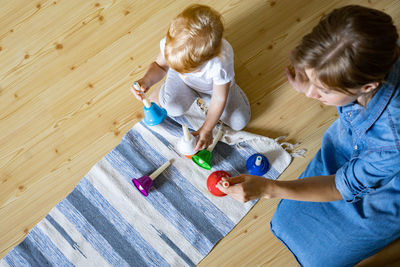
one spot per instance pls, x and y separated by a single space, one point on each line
194 37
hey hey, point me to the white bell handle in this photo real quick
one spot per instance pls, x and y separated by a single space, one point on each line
186 133
145 101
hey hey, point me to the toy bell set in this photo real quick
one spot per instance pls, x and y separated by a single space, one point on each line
256 164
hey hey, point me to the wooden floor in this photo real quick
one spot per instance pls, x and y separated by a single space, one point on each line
65 71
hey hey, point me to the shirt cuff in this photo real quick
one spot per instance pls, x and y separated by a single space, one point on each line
344 188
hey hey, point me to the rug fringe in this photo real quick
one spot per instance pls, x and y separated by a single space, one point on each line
291 147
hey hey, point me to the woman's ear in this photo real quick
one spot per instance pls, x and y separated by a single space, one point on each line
369 87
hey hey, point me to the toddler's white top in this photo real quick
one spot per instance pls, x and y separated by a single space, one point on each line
218 70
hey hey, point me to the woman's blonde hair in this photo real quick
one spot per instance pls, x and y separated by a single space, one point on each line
350 47
194 37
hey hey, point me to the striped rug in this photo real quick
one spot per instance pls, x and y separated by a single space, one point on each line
105 221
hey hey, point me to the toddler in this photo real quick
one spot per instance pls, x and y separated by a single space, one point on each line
198 63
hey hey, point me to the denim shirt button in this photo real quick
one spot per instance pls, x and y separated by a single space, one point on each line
349 114
355 147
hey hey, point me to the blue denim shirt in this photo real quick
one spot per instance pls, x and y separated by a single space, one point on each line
362 149
367 141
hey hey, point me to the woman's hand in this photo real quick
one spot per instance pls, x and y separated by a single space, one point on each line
205 138
246 187
144 87
297 79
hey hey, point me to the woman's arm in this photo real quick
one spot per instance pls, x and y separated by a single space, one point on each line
217 106
316 188
247 187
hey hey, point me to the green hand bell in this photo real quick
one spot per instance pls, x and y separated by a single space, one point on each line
204 157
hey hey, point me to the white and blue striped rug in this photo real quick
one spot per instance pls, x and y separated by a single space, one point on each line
105 221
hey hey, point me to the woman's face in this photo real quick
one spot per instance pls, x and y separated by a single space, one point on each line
327 96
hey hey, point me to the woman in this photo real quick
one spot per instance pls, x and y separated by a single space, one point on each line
346 206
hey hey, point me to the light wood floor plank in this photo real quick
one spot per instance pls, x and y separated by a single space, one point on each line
65 71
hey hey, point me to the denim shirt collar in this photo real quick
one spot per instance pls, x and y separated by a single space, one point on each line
362 118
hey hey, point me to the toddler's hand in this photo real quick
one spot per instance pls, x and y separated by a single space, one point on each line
297 79
205 139
143 86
